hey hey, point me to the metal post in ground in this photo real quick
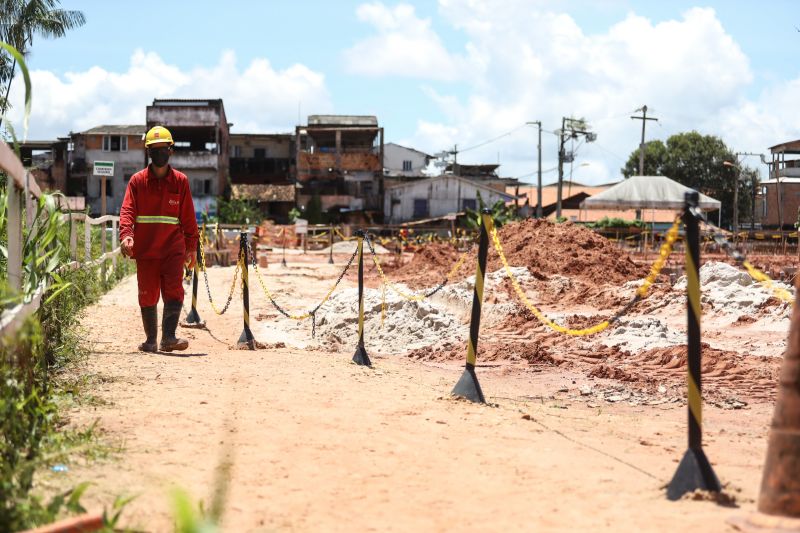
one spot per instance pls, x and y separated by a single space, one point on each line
246 339
694 471
193 319
283 261
330 241
361 357
468 386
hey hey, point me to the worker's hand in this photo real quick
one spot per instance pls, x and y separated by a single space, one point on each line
126 246
191 259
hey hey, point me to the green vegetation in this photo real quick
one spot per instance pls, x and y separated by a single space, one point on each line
501 213
33 360
614 222
236 211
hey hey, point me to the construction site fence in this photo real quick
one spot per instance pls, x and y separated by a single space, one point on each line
23 193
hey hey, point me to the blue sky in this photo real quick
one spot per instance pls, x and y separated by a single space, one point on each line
440 73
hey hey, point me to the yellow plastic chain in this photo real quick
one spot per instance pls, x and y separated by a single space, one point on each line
341 236
666 249
765 281
415 297
663 254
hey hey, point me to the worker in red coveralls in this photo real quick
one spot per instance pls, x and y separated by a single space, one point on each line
157 228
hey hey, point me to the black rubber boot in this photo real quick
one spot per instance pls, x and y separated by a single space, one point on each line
169 323
150 323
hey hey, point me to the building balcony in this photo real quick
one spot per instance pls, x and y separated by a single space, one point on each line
789 172
348 161
194 159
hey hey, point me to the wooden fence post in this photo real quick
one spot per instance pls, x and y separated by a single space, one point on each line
73 239
14 238
87 240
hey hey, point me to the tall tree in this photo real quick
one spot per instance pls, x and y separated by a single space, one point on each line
20 20
655 153
696 160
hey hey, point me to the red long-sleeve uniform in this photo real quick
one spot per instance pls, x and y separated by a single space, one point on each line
159 214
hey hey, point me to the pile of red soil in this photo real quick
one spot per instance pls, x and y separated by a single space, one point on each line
568 250
544 247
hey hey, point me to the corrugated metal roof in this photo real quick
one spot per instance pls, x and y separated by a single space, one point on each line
342 120
116 129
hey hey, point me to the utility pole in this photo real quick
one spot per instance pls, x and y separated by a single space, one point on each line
738 173
563 135
644 118
539 178
454 153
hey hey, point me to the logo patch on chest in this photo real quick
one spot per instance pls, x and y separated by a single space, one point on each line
173 202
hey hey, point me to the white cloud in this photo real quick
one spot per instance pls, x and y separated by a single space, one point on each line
405 45
524 60
258 98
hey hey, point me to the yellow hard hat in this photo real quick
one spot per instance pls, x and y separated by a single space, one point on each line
158 134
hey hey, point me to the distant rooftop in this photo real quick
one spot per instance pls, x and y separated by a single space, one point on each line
187 102
116 129
343 120
791 147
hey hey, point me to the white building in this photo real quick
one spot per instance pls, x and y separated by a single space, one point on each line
436 197
399 161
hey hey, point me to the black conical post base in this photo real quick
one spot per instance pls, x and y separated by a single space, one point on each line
468 386
247 339
193 320
361 358
694 472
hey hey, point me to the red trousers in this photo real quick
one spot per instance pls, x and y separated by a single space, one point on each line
164 276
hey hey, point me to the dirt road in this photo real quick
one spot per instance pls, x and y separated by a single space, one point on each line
315 443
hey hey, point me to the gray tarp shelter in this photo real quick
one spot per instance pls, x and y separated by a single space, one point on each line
646 192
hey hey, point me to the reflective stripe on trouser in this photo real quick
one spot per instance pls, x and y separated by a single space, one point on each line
160 277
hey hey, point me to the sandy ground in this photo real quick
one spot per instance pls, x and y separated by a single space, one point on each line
315 443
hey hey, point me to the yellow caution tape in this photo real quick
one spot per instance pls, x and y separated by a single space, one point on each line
765 281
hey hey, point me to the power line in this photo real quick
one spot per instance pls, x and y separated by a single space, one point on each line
484 143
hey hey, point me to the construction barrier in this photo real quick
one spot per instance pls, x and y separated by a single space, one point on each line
694 471
193 319
246 339
468 386
361 357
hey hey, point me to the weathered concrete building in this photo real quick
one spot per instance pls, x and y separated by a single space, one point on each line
436 197
777 203
122 144
262 169
47 161
340 161
201 133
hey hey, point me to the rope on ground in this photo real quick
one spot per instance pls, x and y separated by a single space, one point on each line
304 315
239 260
641 292
741 260
415 297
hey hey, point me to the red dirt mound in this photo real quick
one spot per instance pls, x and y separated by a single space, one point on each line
566 249
544 247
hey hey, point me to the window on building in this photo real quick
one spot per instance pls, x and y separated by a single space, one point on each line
259 153
469 203
236 151
421 208
115 143
407 165
201 187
